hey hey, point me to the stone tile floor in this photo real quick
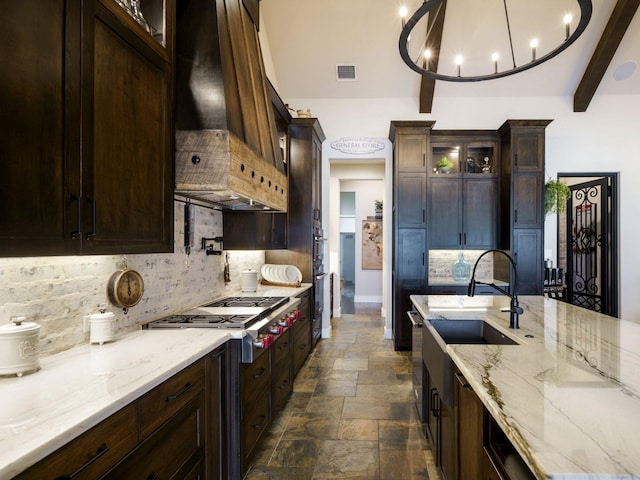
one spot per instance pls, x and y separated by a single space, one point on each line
351 414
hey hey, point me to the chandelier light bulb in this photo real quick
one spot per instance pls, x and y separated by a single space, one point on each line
403 14
495 58
534 45
567 25
427 56
458 61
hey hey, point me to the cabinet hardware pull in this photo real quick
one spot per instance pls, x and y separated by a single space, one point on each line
424 159
102 449
515 156
258 426
259 373
515 215
171 398
216 354
78 230
92 233
432 400
460 239
463 381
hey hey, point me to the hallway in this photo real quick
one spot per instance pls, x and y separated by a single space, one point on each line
351 415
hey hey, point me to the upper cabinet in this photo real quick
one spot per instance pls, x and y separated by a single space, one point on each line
88 165
463 190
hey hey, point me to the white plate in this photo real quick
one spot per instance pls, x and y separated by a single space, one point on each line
263 272
281 274
293 274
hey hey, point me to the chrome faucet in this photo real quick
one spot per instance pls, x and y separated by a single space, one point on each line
515 310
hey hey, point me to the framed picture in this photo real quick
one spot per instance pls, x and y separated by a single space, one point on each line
372 244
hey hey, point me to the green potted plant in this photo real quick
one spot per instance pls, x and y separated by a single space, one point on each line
556 195
444 165
378 207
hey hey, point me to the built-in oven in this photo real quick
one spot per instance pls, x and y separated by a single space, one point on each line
418 368
319 275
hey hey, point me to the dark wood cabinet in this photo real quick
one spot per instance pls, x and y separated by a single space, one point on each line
469 427
159 435
217 448
282 382
411 209
463 198
87 161
522 202
411 143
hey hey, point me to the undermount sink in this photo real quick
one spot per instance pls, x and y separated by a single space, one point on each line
469 331
440 332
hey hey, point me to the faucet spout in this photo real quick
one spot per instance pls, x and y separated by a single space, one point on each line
514 308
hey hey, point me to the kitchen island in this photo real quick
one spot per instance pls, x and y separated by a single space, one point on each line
567 396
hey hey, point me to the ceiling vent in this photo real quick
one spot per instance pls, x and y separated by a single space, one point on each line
345 73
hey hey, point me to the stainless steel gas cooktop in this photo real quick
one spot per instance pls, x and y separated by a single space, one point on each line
230 312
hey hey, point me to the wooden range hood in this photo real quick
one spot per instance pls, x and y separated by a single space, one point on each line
227 149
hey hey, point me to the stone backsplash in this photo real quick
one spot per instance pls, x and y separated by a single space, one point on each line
57 292
441 261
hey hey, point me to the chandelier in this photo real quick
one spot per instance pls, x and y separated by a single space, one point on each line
432 7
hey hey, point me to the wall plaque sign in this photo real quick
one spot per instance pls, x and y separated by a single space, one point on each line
357 145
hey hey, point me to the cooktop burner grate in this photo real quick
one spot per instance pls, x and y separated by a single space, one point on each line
249 302
209 321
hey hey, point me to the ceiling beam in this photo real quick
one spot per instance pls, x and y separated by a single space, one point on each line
613 33
435 25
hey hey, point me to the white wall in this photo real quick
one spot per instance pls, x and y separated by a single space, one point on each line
603 139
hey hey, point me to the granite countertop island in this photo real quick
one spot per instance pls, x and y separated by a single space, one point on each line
76 389
567 397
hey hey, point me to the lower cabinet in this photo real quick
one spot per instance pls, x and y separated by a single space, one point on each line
160 435
301 342
466 441
469 418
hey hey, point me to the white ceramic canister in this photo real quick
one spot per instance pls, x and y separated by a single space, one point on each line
102 327
249 281
19 347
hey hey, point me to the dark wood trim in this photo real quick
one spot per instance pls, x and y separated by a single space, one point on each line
435 25
613 33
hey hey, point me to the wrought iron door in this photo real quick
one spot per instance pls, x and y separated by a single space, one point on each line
589 237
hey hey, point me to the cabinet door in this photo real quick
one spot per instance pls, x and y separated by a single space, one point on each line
527 248
411 152
469 413
528 149
216 413
411 200
173 451
527 200
411 247
39 120
128 165
479 213
445 213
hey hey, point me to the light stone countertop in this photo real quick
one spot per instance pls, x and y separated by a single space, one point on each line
77 389
568 398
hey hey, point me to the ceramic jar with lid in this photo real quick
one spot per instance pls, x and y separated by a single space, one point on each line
19 347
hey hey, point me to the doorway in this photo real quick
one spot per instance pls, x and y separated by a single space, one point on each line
588 248
347 251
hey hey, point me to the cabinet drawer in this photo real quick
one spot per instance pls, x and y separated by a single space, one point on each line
282 348
282 385
93 452
256 378
158 405
173 451
255 423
